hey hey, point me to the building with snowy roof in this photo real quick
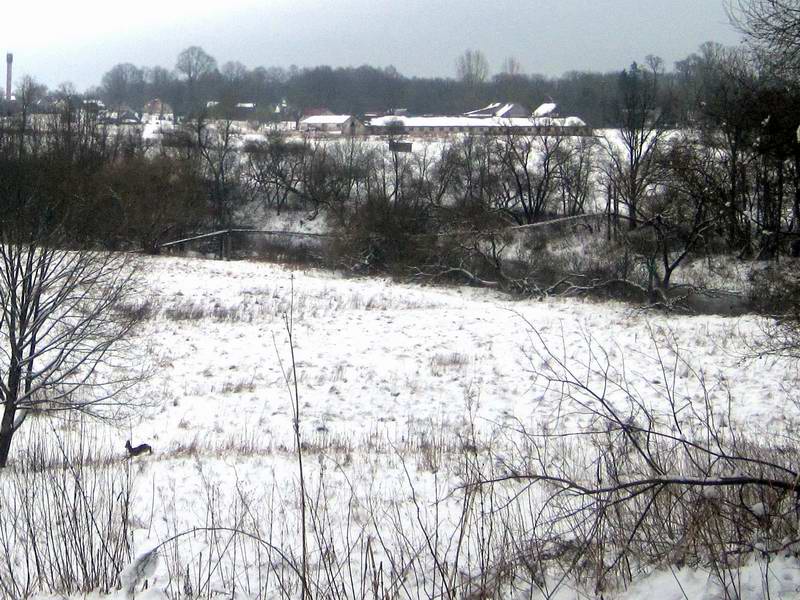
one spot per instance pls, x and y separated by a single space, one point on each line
500 110
548 109
439 126
342 124
156 106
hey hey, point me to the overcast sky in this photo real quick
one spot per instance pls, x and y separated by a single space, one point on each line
79 40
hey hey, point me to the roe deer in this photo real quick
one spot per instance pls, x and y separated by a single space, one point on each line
137 450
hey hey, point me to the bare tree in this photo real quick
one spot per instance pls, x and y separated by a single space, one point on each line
680 216
511 67
472 67
316 174
530 169
729 122
216 143
234 72
124 83
58 323
275 169
632 160
773 29
576 169
195 64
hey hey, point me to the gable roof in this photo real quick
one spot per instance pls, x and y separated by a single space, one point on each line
500 110
483 122
545 109
326 120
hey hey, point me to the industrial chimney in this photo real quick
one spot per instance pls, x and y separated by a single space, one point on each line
9 63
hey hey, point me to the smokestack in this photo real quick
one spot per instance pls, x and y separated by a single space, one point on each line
9 64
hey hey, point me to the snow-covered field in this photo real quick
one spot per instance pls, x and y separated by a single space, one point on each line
397 384
381 358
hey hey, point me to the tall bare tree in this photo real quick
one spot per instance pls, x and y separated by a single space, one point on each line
194 64
530 166
773 29
576 169
58 323
472 67
511 67
124 83
216 143
632 158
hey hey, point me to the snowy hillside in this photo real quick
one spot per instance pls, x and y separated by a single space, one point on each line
403 392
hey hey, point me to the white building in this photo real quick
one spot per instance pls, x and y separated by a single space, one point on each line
343 124
479 125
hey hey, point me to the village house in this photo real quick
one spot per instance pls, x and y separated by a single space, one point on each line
341 124
393 125
158 114
124 116
498 118
158 108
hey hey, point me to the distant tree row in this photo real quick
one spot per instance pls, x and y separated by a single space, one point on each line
197 79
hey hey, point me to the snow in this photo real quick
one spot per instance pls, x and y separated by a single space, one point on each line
544 109
782 574
385 369
325 120
465 122
495 109
142 568
574 122
505 109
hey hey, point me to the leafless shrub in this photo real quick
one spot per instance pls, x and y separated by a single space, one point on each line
245 311
239 386
136 311
186 311
440 362
774 291
64 525
659 474
358 546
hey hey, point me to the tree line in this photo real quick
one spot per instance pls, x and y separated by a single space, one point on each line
729 179
197 78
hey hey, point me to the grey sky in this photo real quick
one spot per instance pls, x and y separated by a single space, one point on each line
78 41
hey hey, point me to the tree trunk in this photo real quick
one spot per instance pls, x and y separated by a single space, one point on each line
666 279
7 424
10 407
796 203
6 433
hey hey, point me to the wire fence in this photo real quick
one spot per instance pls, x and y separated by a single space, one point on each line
295 246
